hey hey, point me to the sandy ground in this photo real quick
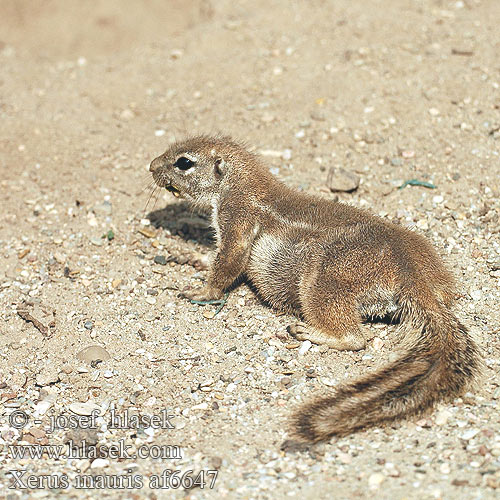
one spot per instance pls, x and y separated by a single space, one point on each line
90 92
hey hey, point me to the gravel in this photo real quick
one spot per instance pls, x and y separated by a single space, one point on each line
389 94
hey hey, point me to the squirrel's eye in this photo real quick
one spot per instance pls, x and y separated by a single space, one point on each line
184 163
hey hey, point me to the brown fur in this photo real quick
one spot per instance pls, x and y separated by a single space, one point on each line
333 265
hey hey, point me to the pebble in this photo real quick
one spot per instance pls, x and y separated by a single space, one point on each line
375 480
160 259
408 154
42 407
116 283
445 468
93 353
342 180
329 382
201 406
437 199
98 242
306 345
84 408
442 417
99 463
48 376
469 434
103 209
127 114
476 294
267 118
88 325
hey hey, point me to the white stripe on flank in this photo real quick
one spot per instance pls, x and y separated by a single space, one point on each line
283 220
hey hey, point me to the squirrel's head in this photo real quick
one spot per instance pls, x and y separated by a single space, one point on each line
195 168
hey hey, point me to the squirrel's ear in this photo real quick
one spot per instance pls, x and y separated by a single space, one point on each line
220 167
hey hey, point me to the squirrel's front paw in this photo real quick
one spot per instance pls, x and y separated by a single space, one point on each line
204 294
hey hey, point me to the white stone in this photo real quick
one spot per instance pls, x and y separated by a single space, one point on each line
306 345
375 480
99 463
469 434
442 417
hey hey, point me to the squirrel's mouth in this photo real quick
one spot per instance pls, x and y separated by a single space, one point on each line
173 189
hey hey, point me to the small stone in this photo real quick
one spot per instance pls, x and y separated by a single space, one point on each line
201 406
345 458
469 434
103 208
396 162
442 417
48 376
96 241
127 114
116 283
434 111
328 381
318 116
107 374
208 314
391 469
267 118
378 343
408 154
460 482
306 345
340 179
151 300
375 480
99 463
445 468
42 407
160 259
84 408
476 295
437 199
93 353
88 325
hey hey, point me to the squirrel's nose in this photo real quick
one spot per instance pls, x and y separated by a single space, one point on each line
155 164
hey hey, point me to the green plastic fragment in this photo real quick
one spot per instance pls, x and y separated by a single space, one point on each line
219 302
109 235
416 182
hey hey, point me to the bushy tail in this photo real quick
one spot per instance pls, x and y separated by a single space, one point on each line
439 364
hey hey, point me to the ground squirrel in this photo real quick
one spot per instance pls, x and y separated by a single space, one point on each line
332 265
